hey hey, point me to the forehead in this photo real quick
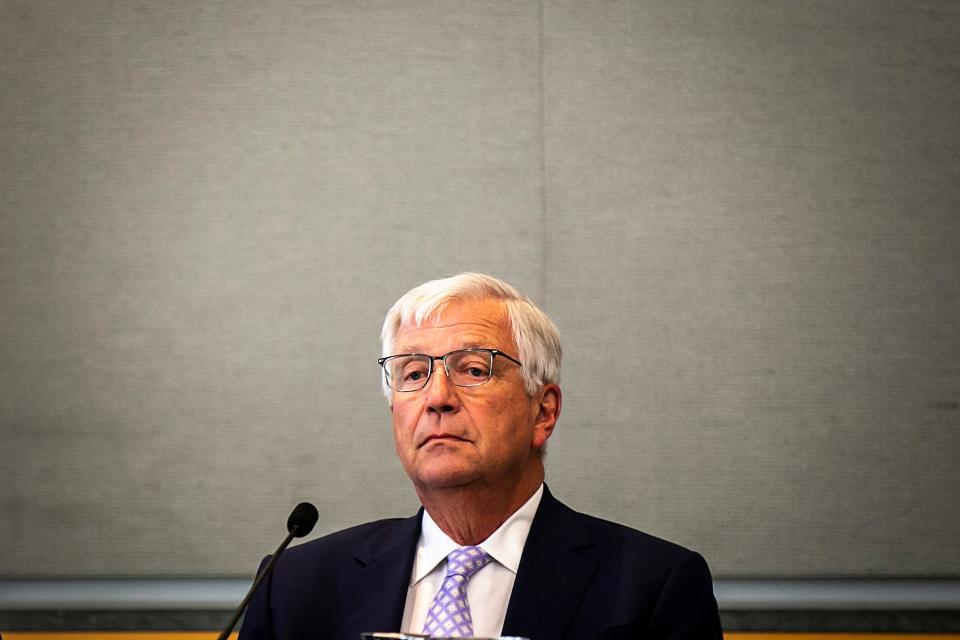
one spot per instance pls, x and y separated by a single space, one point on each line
477 323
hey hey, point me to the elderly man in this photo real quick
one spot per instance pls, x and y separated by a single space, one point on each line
471 370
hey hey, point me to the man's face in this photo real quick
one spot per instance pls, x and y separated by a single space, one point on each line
448 436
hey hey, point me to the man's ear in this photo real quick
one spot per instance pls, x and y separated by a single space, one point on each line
548 411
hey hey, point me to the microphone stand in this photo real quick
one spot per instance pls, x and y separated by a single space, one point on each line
294 530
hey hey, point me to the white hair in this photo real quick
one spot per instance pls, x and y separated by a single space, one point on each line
536 337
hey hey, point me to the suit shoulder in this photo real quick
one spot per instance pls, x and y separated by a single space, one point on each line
633 544
346 540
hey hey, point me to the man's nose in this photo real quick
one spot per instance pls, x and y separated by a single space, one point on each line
442 394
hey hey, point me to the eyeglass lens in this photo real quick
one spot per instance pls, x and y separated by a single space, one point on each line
464 368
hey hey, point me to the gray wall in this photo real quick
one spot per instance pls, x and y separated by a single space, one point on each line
742 215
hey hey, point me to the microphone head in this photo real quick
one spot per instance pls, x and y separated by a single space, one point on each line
302 519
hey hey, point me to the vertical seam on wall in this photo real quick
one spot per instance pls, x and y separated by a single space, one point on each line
541 72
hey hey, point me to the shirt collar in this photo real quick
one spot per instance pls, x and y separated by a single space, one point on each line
505 545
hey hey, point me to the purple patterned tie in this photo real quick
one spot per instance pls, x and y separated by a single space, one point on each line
449 615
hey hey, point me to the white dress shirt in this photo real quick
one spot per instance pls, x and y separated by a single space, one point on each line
488 591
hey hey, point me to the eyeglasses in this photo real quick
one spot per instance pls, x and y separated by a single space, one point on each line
464 367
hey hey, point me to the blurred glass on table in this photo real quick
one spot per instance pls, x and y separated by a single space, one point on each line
378 635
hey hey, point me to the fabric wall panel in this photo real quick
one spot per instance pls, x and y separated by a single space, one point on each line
753 208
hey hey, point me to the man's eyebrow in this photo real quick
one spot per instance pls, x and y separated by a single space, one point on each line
469 344
408 348
399 350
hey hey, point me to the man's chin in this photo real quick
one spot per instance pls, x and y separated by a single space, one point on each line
436 477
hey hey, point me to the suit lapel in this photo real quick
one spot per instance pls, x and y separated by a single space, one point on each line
377 591
554 573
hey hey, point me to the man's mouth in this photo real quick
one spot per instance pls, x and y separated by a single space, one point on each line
439 437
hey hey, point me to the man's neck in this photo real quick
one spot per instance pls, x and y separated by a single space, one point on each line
470 514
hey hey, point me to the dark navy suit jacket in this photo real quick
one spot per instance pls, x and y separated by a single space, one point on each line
579 577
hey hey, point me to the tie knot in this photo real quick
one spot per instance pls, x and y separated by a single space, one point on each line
466 561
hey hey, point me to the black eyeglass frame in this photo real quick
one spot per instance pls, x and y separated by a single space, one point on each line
430 368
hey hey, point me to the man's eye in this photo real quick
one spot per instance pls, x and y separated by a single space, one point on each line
474 369
412 371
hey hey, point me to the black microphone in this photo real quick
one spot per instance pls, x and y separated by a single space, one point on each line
301 521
